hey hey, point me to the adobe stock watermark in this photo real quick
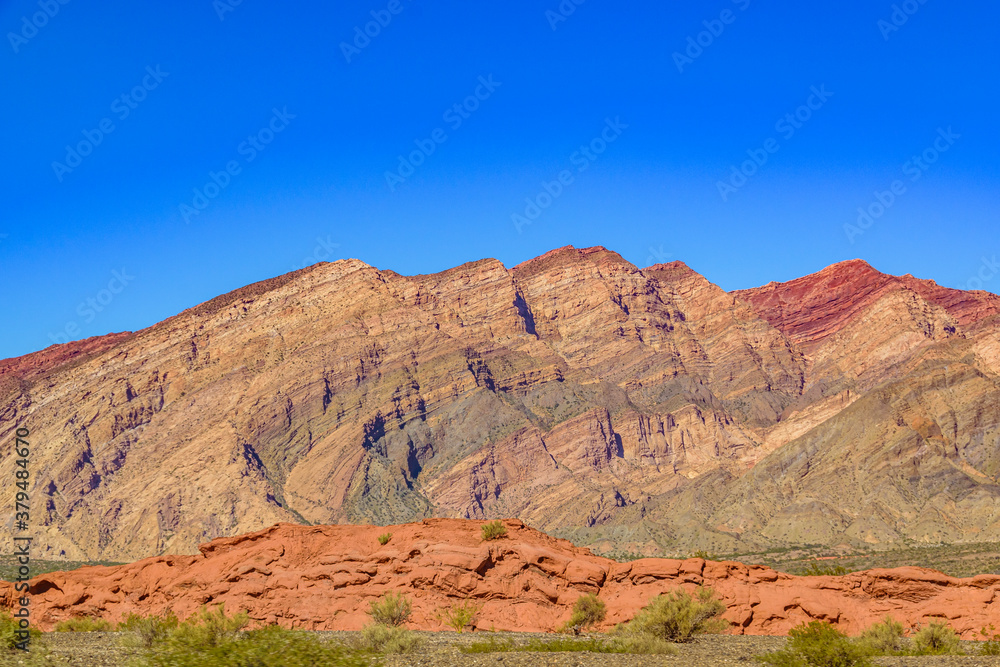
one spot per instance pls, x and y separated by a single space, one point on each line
562 12
249 149
455 116
92 305
987 270
714 28
901 13
37 21
223 7
122 106
321 253
787 125
582 158
914 168
657 256
381 18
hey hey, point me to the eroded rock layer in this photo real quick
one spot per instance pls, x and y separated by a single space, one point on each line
323 578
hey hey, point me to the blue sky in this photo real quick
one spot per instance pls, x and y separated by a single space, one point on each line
598 123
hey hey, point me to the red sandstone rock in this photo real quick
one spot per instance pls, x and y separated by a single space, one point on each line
323 577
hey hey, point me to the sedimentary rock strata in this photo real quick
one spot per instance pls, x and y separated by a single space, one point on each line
640 410
324 577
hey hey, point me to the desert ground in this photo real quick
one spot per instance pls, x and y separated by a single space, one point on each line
442 649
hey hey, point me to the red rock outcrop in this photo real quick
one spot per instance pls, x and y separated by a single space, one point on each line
811 309
323 577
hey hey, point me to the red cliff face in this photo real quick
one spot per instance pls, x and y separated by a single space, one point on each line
639 410
323 577
811 309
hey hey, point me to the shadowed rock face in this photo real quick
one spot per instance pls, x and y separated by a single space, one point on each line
323 578
643 410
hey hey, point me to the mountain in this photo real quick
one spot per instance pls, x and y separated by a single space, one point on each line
325 577
643 410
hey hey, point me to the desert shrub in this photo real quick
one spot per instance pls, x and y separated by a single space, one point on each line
494 530
391 609
147 630
205 629
384 538
817 570
381 638
678 616
817 644
458 616
702 554
9 639
883 638
83 624
587 611
38 653
641 644
263 647
936 639
991 643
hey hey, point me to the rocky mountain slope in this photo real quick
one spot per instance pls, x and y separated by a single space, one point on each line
628 409
323 578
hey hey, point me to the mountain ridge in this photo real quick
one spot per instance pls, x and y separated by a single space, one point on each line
627 409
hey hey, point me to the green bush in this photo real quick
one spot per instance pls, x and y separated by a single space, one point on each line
883 638
817 644
38 653
381 638
207 628
213 639
936 639
587 611
494 530
991 645
264 647
384 538
458 616
391 609
147 630
817 570
83 624
9 639
678 616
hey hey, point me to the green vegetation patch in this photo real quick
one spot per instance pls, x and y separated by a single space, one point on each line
9 565
818 644
678 616
494 530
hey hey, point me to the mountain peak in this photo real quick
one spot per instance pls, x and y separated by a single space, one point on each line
568 255
852 265
812 308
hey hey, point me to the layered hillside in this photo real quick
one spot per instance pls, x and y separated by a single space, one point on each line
628 409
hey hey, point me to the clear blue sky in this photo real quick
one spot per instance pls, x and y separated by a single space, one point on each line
651 194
